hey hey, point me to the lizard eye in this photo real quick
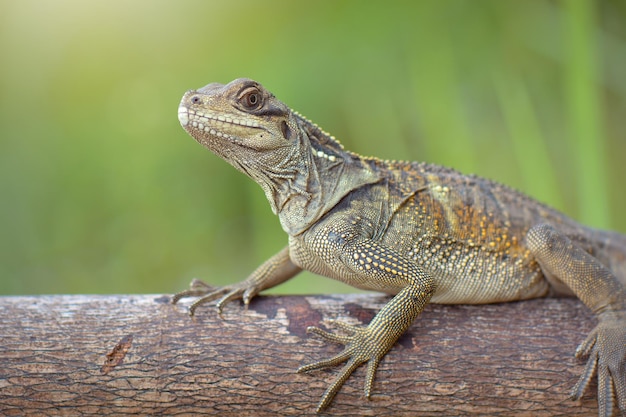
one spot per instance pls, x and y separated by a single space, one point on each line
252 99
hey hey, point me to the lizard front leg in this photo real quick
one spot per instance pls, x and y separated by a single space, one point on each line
602 292
380 267
272 272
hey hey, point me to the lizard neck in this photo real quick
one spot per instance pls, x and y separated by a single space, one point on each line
323 173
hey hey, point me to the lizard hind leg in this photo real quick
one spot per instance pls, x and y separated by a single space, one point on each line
600 290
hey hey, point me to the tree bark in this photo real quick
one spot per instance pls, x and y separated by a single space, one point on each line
120 355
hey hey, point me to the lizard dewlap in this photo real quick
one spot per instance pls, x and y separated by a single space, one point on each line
421 232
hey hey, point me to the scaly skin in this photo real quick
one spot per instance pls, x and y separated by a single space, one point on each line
421 232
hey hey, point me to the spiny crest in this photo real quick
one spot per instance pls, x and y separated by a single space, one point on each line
324 141
323 138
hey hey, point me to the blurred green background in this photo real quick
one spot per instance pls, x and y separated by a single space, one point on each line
103 192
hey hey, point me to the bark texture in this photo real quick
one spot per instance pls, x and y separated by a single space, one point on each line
120 355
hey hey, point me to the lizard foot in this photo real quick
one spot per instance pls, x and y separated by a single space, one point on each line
361 345
270 273
243 290
606 349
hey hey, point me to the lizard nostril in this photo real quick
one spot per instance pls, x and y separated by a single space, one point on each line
195 100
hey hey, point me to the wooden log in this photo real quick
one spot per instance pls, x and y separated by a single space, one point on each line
120 355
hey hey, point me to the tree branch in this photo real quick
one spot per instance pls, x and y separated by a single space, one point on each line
120 355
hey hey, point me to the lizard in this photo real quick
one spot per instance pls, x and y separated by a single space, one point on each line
422 233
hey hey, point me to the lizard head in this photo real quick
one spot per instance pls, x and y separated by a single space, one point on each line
236 119
299 166
249 128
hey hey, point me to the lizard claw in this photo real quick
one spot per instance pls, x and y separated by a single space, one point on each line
605 348
196 288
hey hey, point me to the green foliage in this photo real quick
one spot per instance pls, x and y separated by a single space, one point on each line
102 191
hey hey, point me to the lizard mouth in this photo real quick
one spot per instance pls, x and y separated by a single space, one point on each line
214 124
